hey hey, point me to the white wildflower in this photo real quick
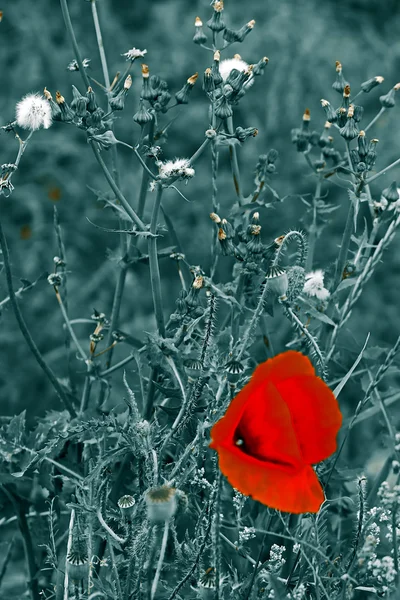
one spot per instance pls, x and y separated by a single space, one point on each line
73 65
381 205
33 112
246 534
134 53
226 66
180 168
314 285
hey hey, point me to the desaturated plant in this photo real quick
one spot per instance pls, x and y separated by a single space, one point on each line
137 507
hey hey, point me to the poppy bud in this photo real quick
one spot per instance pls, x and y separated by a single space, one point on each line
66 113
77 562
161 503
126 505
340 82
258 68
199 36
391 193
79 102
277 281
216 23
182 97
367 86
388 100
330 112
142 116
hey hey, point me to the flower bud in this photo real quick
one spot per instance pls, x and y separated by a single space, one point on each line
216 23
330 112
77 562
79 102
182 97
277 281
391 193
55 109
238 36
67 114
216 75
161 503
349 131
199 36
223 109
388 100
126 505
258 68
367 86
370 158
142 117
146 92
105 140
193 367
92 104
340 82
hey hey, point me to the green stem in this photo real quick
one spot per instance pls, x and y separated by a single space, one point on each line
145 176
100 44
68 325
153 263
383 172
344 246
234 164
312 238
374 120
86 393
24 329
116 307
70 29
128 209
160 560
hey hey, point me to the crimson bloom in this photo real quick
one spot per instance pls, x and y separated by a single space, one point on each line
282 422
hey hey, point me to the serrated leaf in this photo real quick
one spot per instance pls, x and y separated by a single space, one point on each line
320 316
16 428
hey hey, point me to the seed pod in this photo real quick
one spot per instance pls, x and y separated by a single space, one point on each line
161 503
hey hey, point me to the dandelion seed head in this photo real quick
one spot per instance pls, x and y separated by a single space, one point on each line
180 167
314 285
226 66
33 112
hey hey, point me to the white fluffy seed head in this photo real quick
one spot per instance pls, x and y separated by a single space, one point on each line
33 112
226 66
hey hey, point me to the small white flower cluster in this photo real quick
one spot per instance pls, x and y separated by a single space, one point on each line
33 112
276 560
180 168
371 541
246 534
134 53
388 495
383 572
200 481
300 592
238 501
226 66
314 285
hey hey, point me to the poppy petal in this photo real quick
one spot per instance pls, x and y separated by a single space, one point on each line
315 415
288 490
281 367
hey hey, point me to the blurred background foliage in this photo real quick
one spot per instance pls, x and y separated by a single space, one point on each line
302 39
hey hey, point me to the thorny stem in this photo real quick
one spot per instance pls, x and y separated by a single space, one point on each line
160 559
305 332
145 176
69 546
86 393
24 329
100 44
116 307
256 315
153 263
216 535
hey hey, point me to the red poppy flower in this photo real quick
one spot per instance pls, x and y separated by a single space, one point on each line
283 421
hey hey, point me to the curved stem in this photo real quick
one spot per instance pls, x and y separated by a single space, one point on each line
235 164
70 29
160 560
312 238
68 325
24 329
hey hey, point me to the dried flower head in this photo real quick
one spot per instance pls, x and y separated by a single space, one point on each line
227 65
33 112
161 503
314 285
180 168
134 53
